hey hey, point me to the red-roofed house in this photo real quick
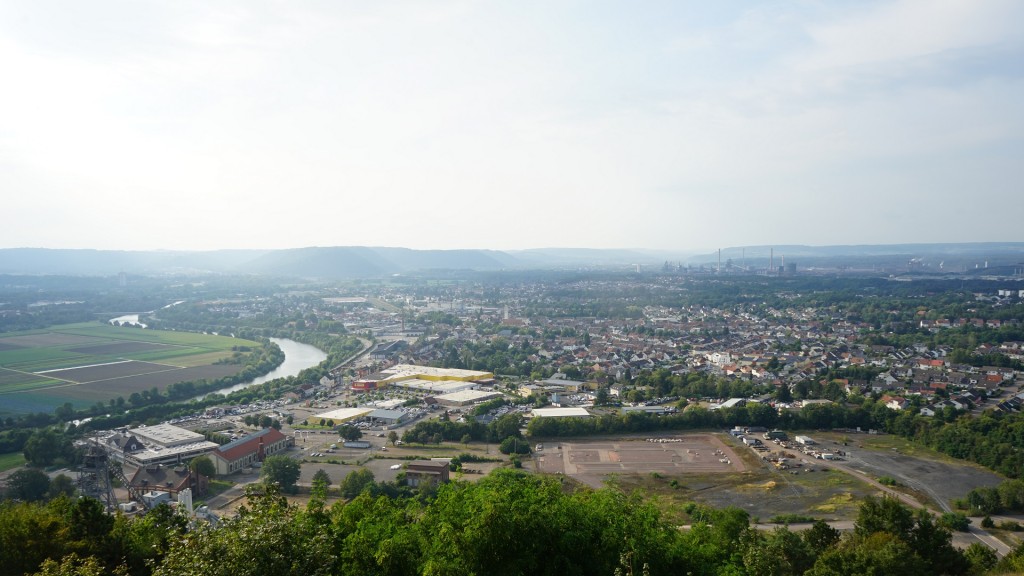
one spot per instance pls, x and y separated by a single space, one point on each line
248 450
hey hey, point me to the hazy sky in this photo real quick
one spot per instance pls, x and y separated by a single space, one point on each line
455 124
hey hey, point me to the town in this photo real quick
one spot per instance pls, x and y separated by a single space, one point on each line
454 379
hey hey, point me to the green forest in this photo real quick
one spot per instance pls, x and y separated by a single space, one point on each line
508 523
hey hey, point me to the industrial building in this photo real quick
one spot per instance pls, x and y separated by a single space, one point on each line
426 473
424 379
381 417
342 415
249 450
559 413
160 444
466 397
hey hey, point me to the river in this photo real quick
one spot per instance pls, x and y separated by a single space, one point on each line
297 357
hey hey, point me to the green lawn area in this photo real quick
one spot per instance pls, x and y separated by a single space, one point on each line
11 460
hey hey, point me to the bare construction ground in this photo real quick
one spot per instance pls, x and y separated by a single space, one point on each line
941 478
592 461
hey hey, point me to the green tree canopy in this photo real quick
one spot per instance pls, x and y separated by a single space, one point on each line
281 470
28 485
203 466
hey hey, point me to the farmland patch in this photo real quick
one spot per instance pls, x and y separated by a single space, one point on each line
11 377
112 388
92 362
48 339
118 348
108 371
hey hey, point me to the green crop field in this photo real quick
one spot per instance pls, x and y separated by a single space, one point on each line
28 361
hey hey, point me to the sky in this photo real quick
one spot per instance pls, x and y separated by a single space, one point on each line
682 126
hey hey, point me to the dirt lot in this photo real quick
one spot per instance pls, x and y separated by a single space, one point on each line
9 346
942 481
591 461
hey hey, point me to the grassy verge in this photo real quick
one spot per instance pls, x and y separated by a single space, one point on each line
11 460
217 487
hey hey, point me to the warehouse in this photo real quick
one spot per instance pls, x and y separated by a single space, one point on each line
249 450
161 444
381 417
560 413
466 397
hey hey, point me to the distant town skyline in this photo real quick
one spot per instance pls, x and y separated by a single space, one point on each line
679 126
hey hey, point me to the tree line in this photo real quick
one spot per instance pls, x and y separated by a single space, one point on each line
508 523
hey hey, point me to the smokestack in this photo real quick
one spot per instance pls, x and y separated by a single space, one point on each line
771 261
719 260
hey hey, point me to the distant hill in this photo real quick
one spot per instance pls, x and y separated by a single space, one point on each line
333 262
948 257
343 262
361 262
547 257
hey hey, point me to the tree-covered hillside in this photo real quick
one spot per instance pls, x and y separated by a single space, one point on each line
509 523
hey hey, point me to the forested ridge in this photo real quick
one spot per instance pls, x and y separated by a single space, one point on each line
507 523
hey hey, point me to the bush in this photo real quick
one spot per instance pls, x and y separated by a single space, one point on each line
1009 526
792 519
514 445
954 521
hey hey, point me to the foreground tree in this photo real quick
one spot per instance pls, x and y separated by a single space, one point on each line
355 482
268 537
281 470
203 466
28 485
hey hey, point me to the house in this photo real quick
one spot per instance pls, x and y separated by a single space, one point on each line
249 450
172 479
894 402
426 473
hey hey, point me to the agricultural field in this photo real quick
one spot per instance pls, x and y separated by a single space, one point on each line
95 362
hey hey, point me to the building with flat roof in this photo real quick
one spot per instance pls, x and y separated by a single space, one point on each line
466 397
387 417
161 444
423 379
342 415
434 386
167 435
400 372
559 413
426 473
